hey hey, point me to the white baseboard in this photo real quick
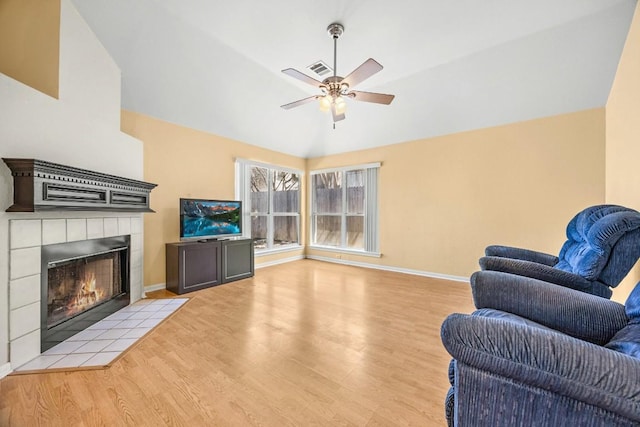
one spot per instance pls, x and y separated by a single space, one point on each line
279 261
388 268
5 370
156 287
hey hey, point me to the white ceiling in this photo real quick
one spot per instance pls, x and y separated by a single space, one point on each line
453 65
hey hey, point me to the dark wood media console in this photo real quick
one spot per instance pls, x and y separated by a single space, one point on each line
197 265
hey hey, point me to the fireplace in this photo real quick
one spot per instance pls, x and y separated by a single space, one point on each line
82 282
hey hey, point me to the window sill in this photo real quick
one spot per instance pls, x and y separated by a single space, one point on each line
278 250
346 251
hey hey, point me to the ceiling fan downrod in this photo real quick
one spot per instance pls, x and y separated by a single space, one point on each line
335 30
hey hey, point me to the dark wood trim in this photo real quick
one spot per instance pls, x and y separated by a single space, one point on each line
39 185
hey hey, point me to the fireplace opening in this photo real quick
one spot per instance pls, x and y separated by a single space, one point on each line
77 285
82 282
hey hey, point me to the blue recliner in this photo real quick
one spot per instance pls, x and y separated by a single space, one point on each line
550 356
603 244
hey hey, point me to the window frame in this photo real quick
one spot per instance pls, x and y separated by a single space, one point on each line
243 192
370 215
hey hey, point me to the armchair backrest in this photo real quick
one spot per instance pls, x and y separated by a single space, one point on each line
603 243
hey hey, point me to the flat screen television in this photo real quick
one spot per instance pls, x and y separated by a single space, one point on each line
204 219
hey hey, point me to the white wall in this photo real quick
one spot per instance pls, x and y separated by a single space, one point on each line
81 129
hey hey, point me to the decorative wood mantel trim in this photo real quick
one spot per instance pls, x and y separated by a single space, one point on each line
42 186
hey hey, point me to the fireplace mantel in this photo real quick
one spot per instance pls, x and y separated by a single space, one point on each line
44 186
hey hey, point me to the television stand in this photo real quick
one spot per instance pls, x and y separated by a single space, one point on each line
195 265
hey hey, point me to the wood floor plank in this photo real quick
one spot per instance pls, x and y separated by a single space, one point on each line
302 343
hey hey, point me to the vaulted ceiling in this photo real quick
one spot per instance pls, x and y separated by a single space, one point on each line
453 65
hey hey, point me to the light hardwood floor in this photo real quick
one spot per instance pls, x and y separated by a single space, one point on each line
304 343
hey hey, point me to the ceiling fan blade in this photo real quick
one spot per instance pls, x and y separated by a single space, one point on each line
299 102
378 98
363 72
336 117
302 77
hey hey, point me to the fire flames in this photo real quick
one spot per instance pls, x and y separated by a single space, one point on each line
88 295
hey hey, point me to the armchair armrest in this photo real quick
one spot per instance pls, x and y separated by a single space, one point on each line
581 315
546 360
523 254
544 273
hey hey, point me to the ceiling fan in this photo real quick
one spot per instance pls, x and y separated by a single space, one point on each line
335 88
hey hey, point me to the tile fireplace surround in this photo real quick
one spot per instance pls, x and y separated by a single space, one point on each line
26 238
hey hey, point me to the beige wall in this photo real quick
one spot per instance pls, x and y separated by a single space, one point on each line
30 42
444 199
623 137
188 163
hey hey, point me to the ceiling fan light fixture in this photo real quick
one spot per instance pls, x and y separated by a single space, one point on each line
341 106
325 103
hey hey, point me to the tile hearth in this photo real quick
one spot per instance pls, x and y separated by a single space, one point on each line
103 342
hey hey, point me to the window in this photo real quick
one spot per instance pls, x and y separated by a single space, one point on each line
344 208
272 195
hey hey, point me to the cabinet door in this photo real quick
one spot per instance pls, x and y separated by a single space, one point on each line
237 259
200 266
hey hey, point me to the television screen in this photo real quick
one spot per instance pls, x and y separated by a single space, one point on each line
210 219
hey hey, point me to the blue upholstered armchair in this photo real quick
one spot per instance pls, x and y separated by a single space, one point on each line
537 354
603 244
